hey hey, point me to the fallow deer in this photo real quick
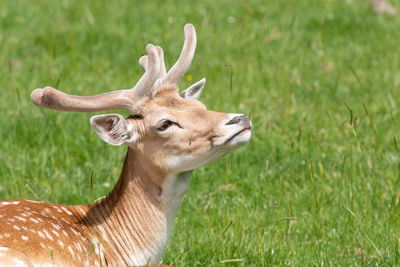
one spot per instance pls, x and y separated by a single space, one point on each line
168 136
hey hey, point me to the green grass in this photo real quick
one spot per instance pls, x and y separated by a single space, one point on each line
319 184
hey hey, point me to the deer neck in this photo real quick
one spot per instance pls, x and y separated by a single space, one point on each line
135 220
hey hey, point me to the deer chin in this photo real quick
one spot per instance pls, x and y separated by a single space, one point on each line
239 138
233 139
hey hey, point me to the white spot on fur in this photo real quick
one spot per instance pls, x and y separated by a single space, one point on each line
75 232
66 211
20 218
33 220
55 226
24 237
9 203
16 227
65 233
54 232
32 201
71 251
47 234
41 234
81 210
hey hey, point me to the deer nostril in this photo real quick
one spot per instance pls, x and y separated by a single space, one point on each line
233 121
238 119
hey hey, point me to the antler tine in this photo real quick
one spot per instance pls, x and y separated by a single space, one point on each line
143 61
55 99
163 71
177 71
122 99
145 84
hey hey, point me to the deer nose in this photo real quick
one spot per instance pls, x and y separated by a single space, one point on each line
240 119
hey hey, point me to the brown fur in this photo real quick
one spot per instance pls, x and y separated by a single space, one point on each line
118 214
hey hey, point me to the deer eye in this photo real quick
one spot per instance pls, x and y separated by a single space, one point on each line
165 125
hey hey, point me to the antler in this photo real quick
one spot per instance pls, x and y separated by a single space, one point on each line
143 61
177 71
152 64
122 99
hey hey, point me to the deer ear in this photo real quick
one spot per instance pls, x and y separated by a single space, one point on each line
194 91
113 129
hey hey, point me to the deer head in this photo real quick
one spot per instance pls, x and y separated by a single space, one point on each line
173 131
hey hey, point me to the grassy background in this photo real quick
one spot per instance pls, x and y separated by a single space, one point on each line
319 184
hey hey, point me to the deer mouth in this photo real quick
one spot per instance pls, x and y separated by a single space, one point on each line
238 135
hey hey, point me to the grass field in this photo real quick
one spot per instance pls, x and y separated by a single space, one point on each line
319 184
